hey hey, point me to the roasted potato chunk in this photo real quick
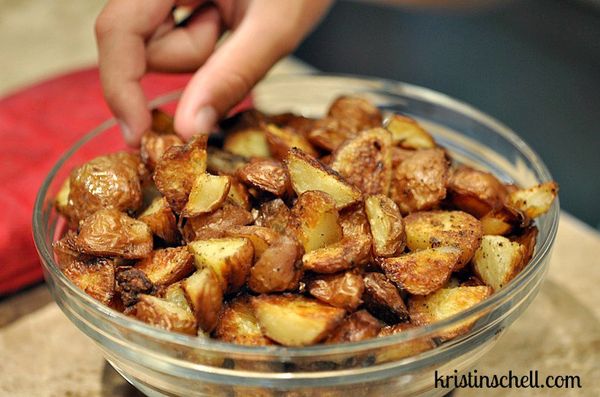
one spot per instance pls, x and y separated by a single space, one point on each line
280 140
419 182
307 173
229 258
95 277
404 349
161 220
239 325
348 253
327 134
164 314
278 268
475 192
294 320
536 200
66 250
498 260
130 283
366 161
207 194
316 220
109 232
154 145
407 133
221 162
174 293
61 202
162 122
260 237
382 299
444 228
238 194
216 223
340 290
276 215
298 124
205 295
386 224
354 222
178 169
527 239
249 143
167 266
355 113
502 221
422 272
356 327
267 175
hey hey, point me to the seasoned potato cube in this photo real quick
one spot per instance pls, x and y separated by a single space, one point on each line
498 260
205 296
444 228
527 239
164 314
251 142
239 325
215 224
317 220
280 140
348 253
178 169
444 303
238 194
207 194
260 237
278 268
294 320
382 298
96 278
161 220
340 290
154 145
355 113
221 162
229 258
422 272
502 221
366 161
387 227
268 175
306 173
109 232
356 327
174 293
534 201
475 192
406 132
404 349
130 283
276 215
162 122
168 265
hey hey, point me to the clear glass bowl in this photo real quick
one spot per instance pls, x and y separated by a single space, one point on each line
164 363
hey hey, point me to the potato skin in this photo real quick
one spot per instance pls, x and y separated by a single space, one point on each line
348 253
356 327
205 295
268 175
355 114
215 224
221 162
280 140
278 268
386 224
276 215
161 220
237 324
475 192
167 266
340 290
154 145
164 314
96 277
383 300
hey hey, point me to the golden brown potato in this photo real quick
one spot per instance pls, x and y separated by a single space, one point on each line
348 253
444 228
239 325
260 237
382 298
207 194
327 134
294 320
399 155
280 140
221 162
527 239
229 258
419 182
475 192
316 220
276 215
174 293
422 272
354 222
167 266
109 232
502 221
205 295
268 175
161 220
407 133
386 224
216 223
178 169
154 145
307 173
110 181
298 124
61 201
366 161
130 283
340 290
96 278
355 114
278 268
66 250
238 194
356 327
164 314
162 122
498 260
536 200
249 143
403 349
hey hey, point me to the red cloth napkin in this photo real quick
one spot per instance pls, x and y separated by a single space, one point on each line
37 125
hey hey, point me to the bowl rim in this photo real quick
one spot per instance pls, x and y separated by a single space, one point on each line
212 345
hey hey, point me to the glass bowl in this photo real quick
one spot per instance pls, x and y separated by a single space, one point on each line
164 363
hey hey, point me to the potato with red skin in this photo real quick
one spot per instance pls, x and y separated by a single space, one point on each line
340 290
216 224
356 327
276 215
222 162
161 220
154 144
267 175
260 237
348 253
164 314
355 114
278 268
281 140
476 192
383 300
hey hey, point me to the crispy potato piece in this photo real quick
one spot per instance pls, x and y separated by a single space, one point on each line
174 293
294 320
280 140
154 145
178 169
162 122
161 220
444 228
238 194
130 283
355 114
316 220
298 124
366 161
387 227
407 132
96 278
348 253
109 232
327 134
249 143
164 314
268 175
444 303
354 222
502 221
230 259
205 296
260 237
239 325
536 200
110 181
527 239
216 223
276 215
307 173
382 299
404 349
422 272
278 268
61 201
167 266
221 162
475 192
340 290
356 327
66 251
498 260
399 155
207 194
419 182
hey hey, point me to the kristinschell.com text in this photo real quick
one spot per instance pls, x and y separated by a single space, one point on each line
531 380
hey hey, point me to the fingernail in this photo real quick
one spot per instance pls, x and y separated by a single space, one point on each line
125 130
205 120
